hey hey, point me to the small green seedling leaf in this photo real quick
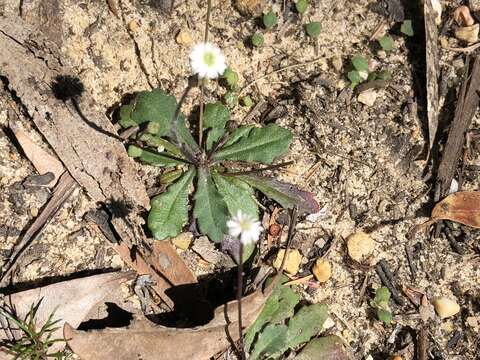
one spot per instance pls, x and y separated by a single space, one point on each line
257 40
285 194
231 77
301 6
387 43
169 211
236 194
360 63
237 134
384 75
261 145
215 115
313 29
327 347
407 28
156 106
269 19
382 295
125 116
354 77
247 101
152 158
210 209
385 316
372 76
230 99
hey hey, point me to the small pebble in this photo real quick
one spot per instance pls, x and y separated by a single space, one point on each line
322 270
133 25
183 240
469 34
445 307
184 38
367 97
292 263
360 246
337 63
34 211
274 230
250 7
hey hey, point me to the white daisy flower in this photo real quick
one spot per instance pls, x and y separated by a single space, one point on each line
244 226
207 61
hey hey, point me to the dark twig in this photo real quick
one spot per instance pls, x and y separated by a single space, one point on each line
386 281
411 263
422 343
453 242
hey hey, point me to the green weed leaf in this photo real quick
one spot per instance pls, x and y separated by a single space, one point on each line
210 210
152 158
313 29
125 116
261 145
183 138
169 211
386 42
213 136
407 28
236 194
237 134
269 19
354 77
327 347
285 194
360 63
215 115
301 6
257 40
385 316
270 340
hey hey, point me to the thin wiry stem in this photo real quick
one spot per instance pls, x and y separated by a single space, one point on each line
202 85
241 346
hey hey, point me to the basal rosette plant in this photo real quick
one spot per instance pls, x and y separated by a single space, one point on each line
218 192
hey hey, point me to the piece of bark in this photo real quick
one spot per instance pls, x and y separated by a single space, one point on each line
465 110
47 15
41 159
433 70
70 301
61 193
147 341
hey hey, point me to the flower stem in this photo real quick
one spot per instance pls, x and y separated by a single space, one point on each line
241 346
200 119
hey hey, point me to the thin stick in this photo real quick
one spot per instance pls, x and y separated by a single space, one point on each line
202 85
293 66
253 171
241 346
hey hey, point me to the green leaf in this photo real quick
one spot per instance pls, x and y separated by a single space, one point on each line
354 77
237 134
169 211
247 101
230 98
183 138
360 63
257 40
313 29
327 347
125 116
278 307
156 106
384 75
385 316
407 28
301 6
285 194
307 322
269 19
213 136
382 295
236 194
231 77
156 141
210 209
215 115
261 145
386 42
153 158
270 340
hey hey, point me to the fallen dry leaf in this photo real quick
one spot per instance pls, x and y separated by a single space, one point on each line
41 160
71 301
462 207
147 341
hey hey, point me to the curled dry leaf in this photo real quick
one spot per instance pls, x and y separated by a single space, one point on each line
462 207
70 301
462 16
148 341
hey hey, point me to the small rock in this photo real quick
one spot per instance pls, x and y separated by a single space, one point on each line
274 230
322 270
458 63
183 240
367 97
437 9
250 7
184 38
445 307
337 63
329 323
469 34
462 16
360 246
292 263
453 187
133 25
34 211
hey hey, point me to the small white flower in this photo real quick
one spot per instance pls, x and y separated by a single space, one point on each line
244 226
207 61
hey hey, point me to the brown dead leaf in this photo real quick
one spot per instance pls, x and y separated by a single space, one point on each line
462 207
70 301
147 341
41 160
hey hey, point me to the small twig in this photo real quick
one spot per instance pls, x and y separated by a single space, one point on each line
395 294
363 289
422 342
292 66
299 280
411 263
467 49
